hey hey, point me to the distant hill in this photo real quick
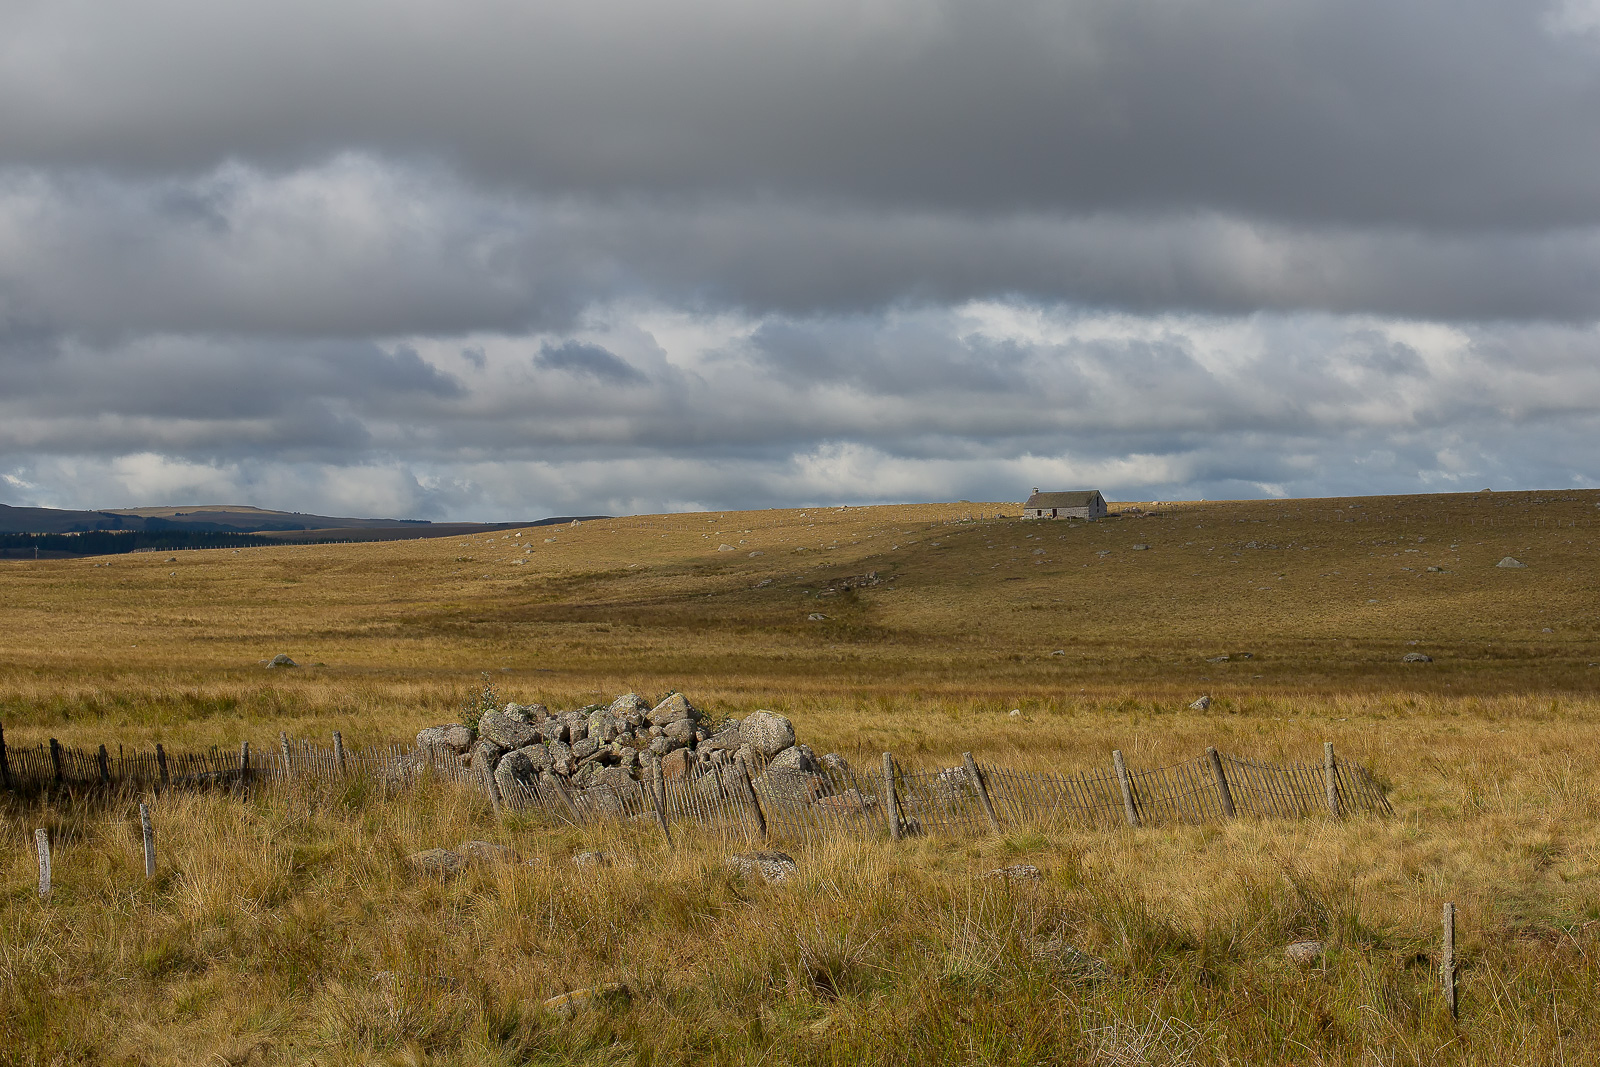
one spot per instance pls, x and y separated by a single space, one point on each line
170 527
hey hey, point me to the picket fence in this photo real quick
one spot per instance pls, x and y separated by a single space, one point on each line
968 798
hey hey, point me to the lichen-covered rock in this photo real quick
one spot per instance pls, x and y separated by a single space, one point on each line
1416 657
1201 705
1066 956
516 772
726 739
630 708
505 731
796 758
591 859
675 764
662 745
850 802
439 862
281 660
681 731
774 868
1017 872
798 786
455 737
766 733
1305 951
582 750
834 763
561 760
485 852
672 709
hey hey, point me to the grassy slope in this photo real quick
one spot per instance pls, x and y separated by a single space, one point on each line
259 941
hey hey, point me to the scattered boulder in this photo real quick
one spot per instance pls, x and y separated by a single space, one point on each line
591 859
1138 548
455 737
816 616
506 731
672 709
850 802
282 660
1017 872
1202 704
566 1005
485 852
1416 657
798 758
439 862
1509 562
834 763
774 868
766 733
1303 952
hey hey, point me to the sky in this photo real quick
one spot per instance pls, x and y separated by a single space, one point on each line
500 259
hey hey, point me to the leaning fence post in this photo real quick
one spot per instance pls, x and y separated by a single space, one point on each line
891 806
338 751
244 765
1221 777
283 743
1447 959
105 770
41 842
161 763
5 766
982 789
1128 809
55 759
655 790
1329 769
149 841
751 798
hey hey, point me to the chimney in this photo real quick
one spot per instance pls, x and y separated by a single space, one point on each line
1036 490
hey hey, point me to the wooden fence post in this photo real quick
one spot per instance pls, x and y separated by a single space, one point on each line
982 789
244 765
283 743
1447 959
655 788
1330 771
1129 809
161 764
891 806
5 766
749 789
105 770
55 759
149 841
1221 777
488 786
566 798
338 757
41 842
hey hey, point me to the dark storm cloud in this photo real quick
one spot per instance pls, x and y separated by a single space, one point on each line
1454 113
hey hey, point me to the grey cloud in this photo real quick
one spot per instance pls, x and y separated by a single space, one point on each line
593 361
1357 112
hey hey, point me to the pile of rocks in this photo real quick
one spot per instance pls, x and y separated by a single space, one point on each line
518 747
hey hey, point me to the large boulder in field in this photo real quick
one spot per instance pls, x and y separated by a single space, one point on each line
505 731
773 867
673 709
454 737
766 733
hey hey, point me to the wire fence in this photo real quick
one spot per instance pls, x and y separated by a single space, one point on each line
969 798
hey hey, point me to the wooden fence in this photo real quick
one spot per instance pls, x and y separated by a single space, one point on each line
969 798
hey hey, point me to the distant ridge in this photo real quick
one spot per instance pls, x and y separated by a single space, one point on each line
243 519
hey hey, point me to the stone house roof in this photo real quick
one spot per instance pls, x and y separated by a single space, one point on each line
1081 498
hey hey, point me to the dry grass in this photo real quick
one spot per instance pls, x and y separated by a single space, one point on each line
259 940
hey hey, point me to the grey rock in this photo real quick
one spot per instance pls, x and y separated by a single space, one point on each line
1139 548
505 731
816 616
561 760
591 859
798 758
1017 872
767 733
1508 562
1416 657
516 773
850 802
834 763
455 737
675 707
582 750
615 778
682 731
775 868
281 660
798 786
1304 951
630 708
485 852
439 862
727 739
662 745
1201 705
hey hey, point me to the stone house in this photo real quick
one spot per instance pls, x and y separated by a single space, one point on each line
1078 504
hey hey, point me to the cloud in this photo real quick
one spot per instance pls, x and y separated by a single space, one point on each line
576 357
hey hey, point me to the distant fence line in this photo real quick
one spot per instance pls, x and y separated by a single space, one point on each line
972 797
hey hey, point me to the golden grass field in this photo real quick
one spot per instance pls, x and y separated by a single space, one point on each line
260 937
